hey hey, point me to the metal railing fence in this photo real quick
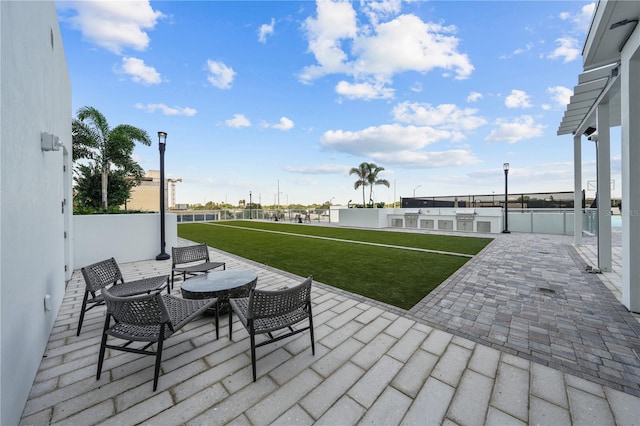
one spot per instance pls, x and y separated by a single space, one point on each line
284 215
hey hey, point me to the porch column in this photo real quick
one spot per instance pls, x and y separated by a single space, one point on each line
604 187
577 190
630 112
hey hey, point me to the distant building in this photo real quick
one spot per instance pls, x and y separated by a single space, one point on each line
146 196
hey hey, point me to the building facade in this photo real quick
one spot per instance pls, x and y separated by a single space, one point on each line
35 192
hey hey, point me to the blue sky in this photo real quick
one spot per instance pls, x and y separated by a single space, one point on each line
286 96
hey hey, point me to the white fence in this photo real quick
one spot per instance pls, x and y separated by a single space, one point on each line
483 220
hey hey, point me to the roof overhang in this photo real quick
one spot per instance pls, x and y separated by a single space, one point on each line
612 24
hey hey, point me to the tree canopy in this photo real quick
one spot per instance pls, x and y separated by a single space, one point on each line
88 188
105 150
362 171
368 176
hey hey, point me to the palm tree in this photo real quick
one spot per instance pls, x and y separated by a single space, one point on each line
106 148
362 171
372 179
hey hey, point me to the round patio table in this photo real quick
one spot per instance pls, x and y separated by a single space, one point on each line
221 284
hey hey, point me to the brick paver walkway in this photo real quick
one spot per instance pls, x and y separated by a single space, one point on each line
373 364
530 295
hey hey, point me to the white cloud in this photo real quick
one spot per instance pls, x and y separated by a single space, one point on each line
518 99
376 10
519 51
321 169
114 25
567 50
568 45
560 95
167 110
387 138
284 124
445 116
334 23
379 50
582 19
265 30
139 72
238 120
220 75
409 44
513 131
432 160
399 145
366 91
474 97
522 50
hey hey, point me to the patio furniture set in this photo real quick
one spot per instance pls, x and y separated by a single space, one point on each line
141 313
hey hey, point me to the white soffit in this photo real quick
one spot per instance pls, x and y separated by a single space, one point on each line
612 24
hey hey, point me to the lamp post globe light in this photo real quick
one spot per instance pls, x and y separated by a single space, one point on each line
162 142
505 167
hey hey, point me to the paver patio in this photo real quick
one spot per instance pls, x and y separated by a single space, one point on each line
374 364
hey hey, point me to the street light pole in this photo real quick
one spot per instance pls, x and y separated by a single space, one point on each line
250 205
414 190
162 142
505 167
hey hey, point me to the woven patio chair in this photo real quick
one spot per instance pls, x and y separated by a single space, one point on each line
150 318
189 255
264 312
107 273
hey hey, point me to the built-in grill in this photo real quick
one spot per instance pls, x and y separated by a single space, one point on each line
411 220
464 219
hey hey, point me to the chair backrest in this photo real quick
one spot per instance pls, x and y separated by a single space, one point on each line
101 274
189 254
141 310
271 303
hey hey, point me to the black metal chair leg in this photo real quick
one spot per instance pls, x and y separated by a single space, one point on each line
84 307
313 346
253 355
158 359
103 346
217 321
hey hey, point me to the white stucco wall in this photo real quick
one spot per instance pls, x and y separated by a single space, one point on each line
365 218
125 237
384 218
36 98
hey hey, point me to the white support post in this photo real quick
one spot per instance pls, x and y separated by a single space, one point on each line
577 190
604 187
630 111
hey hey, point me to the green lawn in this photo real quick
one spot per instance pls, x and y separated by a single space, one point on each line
396 276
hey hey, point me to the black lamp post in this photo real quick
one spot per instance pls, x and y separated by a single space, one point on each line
250 205
505 167
162 142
